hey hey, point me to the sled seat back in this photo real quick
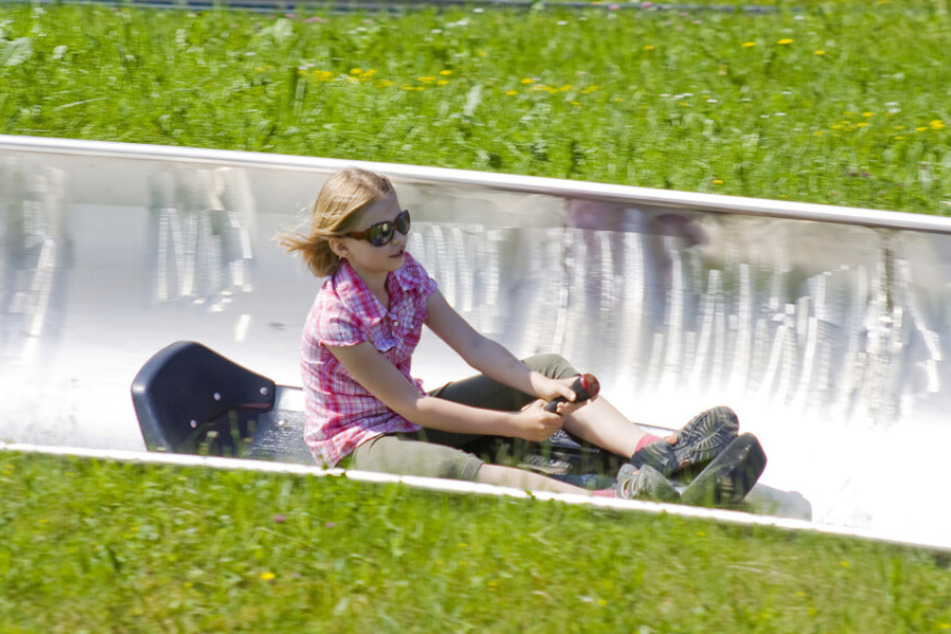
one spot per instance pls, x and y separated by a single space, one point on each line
190 399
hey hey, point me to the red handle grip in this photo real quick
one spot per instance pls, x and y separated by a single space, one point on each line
585 386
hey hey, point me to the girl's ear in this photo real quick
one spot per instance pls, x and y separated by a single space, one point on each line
339 247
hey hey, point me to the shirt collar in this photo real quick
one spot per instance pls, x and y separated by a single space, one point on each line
350 285
398 282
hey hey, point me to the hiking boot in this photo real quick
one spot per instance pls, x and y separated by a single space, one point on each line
700 440
730 476
645 483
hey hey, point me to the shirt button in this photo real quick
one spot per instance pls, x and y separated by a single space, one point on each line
396 322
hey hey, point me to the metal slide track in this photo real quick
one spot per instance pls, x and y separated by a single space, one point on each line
824 327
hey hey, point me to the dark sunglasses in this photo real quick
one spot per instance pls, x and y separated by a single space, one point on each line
382 233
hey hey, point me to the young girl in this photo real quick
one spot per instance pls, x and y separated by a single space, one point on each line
363 404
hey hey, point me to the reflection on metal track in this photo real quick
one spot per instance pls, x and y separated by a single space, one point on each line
823 327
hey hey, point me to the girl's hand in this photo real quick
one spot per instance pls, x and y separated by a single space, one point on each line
534 424
550 389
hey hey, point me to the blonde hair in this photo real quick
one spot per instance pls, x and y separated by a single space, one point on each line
335 213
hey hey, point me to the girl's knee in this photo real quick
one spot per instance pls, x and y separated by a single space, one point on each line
552 365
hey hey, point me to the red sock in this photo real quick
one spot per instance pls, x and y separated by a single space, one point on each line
646 440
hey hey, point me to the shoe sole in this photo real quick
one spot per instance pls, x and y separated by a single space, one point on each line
699 441
705 436
730 476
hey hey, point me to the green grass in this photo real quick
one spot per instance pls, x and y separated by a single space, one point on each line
841 102
100 546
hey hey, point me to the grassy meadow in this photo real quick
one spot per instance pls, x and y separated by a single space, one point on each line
98 546
841 102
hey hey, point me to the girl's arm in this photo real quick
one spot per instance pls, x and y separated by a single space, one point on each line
375 373
487 356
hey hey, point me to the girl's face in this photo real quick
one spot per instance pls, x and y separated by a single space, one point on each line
371 261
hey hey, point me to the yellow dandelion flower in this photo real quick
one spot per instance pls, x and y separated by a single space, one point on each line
602 602
575 103
369 73
512 92
268 576
427 80
819 53
445 72
861 125
921 128
590 89
565 88
528 80
784 41
716 181
899 138
817 133
385 83
868 114
649 47
749 44
442 82
356 71
937 124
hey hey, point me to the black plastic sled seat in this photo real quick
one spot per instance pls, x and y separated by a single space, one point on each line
190 399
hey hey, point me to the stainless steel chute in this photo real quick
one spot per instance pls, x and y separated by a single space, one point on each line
825 328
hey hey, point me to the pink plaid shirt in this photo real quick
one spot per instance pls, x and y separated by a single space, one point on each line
340 413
